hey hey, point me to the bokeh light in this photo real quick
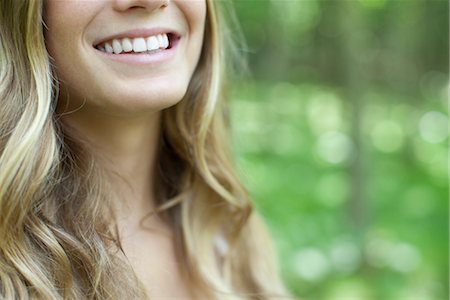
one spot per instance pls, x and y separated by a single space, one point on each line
342 139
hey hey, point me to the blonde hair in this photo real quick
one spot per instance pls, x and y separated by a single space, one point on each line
56 238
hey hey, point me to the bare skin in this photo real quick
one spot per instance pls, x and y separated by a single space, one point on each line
114 103
127 146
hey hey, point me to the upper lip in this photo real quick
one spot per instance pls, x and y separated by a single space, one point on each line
139 32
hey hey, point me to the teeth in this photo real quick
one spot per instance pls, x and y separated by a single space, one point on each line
138 45
165 43
108 48
127 45
160 39
152 43
117 46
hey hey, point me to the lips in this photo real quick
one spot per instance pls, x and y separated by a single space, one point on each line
140 48
138 41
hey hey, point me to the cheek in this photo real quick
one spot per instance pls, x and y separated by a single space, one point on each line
194 11
195 14
68 16
66 22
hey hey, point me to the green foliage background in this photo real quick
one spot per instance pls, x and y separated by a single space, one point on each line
341 134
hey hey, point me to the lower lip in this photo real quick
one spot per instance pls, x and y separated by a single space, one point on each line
162 56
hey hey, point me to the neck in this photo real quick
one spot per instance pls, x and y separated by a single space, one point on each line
126 147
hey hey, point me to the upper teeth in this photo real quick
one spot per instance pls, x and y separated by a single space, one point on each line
140 44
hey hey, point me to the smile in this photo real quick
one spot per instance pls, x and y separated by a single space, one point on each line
143 45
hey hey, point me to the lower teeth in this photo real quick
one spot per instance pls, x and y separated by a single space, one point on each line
152 51
132 52
144 52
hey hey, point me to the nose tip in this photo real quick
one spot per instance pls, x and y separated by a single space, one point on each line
150 5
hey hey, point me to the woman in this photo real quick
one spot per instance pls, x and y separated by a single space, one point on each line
116 180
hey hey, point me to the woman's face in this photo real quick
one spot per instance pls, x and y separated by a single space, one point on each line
124 56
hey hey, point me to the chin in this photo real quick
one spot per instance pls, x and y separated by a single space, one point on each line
138 102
